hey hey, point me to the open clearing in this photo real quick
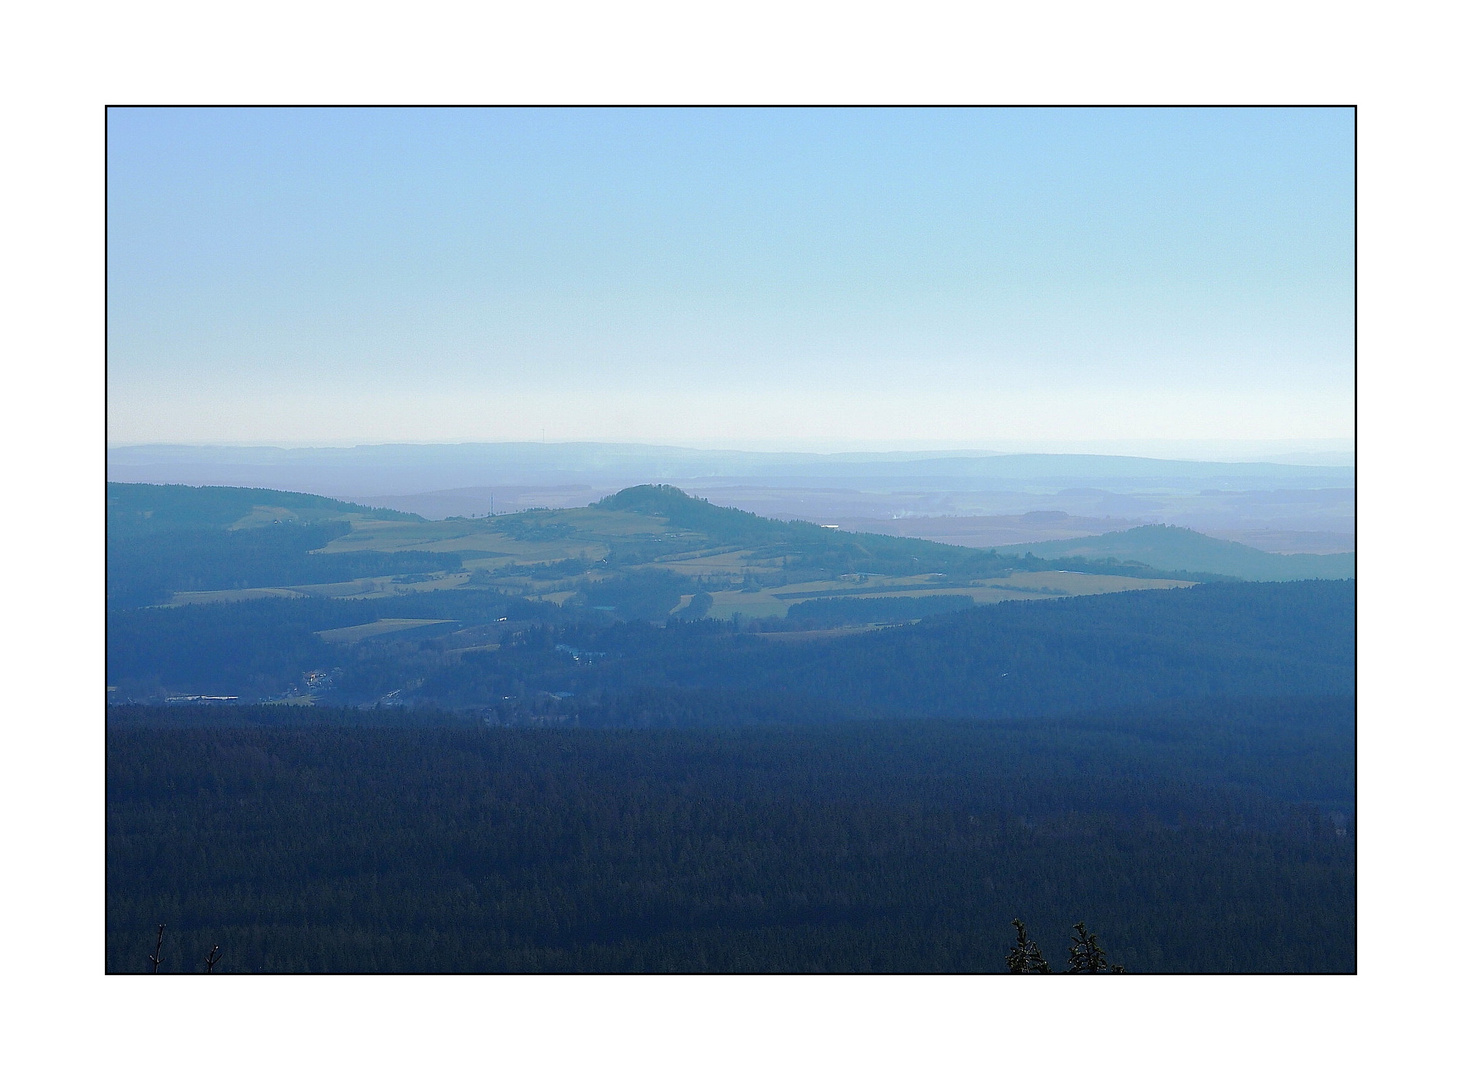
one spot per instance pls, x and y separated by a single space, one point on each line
1038 585
590 551
374 588
728 562
757 605
767 603
413 536
616 523
349 635
1020 585
531 537
224 596
1072 583
794 636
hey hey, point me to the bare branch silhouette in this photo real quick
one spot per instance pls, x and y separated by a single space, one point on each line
211 959
156 956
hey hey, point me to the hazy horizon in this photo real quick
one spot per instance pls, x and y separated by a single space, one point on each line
1278 451
819 280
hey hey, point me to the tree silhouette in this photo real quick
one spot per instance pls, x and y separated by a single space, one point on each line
1026 958
1086 956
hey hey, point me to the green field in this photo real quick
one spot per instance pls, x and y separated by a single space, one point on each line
758 605
725 562
411 536
532 536
1069 583
1041 585
349 635
372 588
221 596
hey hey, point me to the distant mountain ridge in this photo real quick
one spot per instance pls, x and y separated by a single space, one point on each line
1178 550
363 471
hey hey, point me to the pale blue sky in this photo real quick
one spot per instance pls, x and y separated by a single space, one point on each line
859 277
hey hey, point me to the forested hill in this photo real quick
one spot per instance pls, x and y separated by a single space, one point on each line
1063 656
162 538
161 507
1183 551
682 511
824 546
805 543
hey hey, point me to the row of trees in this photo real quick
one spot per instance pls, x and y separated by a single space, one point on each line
1085 957
1058 656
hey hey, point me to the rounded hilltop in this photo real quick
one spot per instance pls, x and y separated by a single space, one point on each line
683 511
650 499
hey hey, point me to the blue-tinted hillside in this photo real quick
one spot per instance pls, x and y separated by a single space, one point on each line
1183 551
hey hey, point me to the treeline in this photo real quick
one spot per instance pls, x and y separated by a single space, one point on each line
328 846
859 611
1015 659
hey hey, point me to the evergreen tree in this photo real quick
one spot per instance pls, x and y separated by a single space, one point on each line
1087 957
1026 958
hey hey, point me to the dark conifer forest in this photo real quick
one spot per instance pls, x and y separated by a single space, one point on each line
437 758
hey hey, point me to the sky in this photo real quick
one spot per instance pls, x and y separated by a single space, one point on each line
765 279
